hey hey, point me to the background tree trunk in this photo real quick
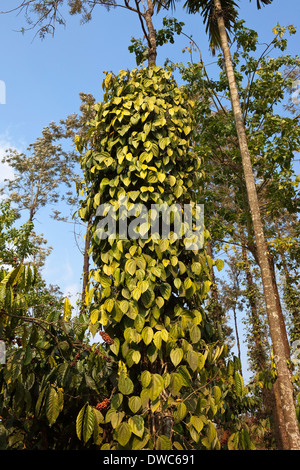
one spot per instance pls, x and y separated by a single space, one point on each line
270 398
151 34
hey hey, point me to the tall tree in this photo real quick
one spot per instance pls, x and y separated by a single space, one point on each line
219 17
272 145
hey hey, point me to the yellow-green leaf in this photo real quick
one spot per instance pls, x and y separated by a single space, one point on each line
67 309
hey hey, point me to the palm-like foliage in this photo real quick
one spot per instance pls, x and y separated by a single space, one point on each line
207 11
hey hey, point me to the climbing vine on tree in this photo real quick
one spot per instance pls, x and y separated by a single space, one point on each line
146 294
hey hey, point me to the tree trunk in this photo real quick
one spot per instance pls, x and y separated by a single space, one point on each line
261 361
151 34
217 310
86 264
285 387
279 309
237 336
270 398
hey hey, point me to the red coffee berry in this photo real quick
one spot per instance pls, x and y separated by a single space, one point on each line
104 404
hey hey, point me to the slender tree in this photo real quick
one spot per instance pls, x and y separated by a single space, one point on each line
219 17
254 101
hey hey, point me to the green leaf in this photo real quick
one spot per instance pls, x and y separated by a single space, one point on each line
94 316
148 298
124 305
116 418
219 264
206 287
176 356
123 434
115 346
145 378
232 441
40 401
239 384
52 406
136 294
163 443
175 384
163 244
144 285
116 401
27 356
136 357
85 423
157 339
166 290
181 412
217 393
125 385
201 361
194 434
159 302
164 335
192 359
147 335
196 268
156 387
79 422
187 130
105 281
130 266
67 309
139 323
152 353
182 267
188 283
195 334
211 432
132 311
135 403
139 444
197 422
136 424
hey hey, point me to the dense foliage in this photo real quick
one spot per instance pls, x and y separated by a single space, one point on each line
147 293
144 361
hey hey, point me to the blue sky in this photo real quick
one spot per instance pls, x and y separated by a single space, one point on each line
44 78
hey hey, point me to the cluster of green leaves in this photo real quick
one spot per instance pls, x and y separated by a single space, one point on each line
164 35
47 370
148 293
14 242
